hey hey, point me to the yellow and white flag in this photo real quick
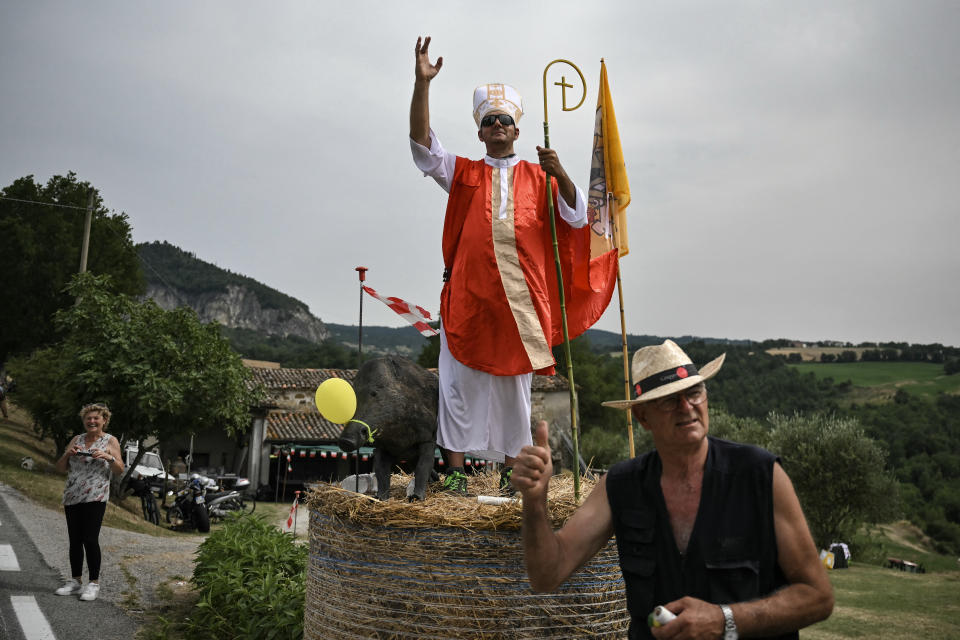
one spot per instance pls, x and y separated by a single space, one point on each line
609 192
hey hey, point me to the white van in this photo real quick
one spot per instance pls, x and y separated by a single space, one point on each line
150 467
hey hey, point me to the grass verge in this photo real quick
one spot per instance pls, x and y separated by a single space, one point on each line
873 602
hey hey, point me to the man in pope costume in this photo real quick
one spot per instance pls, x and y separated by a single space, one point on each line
499 308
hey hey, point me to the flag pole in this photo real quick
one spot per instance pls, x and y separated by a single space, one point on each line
615 176
626 358
362 272
574 408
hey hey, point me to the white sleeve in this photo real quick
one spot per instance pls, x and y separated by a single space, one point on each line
576 217
435 162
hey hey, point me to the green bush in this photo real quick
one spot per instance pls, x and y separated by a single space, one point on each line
250 577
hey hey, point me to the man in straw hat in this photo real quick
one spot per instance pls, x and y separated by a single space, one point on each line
711 529
499 310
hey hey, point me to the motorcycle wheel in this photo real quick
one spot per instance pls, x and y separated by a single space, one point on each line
175 515
201 518
247 505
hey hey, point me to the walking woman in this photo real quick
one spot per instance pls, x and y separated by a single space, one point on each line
89 460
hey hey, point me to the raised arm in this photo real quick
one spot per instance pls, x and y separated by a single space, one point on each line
420 105
551 557
806 600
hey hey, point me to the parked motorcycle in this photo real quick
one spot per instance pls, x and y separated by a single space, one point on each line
222 503
189 508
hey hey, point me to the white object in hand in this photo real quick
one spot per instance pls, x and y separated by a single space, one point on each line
660 617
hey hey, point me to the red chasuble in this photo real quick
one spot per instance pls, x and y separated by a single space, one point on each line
500 305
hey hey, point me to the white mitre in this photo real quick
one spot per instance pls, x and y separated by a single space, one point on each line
496 97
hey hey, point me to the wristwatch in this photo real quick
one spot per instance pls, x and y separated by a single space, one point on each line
729 626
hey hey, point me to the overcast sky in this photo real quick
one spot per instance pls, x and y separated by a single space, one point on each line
794 166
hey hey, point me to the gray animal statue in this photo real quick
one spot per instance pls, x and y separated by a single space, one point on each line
398 400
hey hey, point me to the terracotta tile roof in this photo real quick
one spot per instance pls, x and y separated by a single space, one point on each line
287 426
285 378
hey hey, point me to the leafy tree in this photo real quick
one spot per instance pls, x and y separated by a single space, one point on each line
44 389
40 250
753 383
730 427
839 473
163 373
598 377
951 366
600 448
429 357
290 351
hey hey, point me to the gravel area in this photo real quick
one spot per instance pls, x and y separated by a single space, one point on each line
133 564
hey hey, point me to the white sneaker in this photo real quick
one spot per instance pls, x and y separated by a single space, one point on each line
90 591
69 588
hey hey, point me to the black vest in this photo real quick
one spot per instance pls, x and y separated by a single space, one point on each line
732 553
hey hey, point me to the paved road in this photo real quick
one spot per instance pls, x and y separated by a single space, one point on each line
29 610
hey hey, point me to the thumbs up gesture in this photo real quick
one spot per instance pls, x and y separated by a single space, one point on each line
534 466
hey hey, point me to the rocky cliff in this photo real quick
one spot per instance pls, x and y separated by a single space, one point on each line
239 307
176 278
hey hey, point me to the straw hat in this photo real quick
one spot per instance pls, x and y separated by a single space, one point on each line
501 98
662 369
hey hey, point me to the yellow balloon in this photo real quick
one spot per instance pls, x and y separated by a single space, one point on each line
336 400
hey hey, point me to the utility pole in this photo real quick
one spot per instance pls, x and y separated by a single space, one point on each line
362 272
86 232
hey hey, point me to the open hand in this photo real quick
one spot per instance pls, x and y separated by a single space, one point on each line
423 69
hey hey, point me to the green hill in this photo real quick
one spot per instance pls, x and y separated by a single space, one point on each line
168 265
884 379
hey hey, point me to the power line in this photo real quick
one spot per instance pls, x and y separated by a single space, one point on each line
131 248
46 204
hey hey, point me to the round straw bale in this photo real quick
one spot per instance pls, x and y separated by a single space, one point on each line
447 567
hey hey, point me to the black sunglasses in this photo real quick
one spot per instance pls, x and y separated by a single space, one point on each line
504 119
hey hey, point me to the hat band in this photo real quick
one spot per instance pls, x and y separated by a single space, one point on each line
664 377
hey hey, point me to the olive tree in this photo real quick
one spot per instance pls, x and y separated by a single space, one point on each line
839 473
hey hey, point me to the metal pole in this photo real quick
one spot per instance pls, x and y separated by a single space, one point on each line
362 273
286 471
296 498
276 491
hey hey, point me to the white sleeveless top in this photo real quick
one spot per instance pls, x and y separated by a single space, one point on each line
88 479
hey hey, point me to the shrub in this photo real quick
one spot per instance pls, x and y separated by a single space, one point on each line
250 577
